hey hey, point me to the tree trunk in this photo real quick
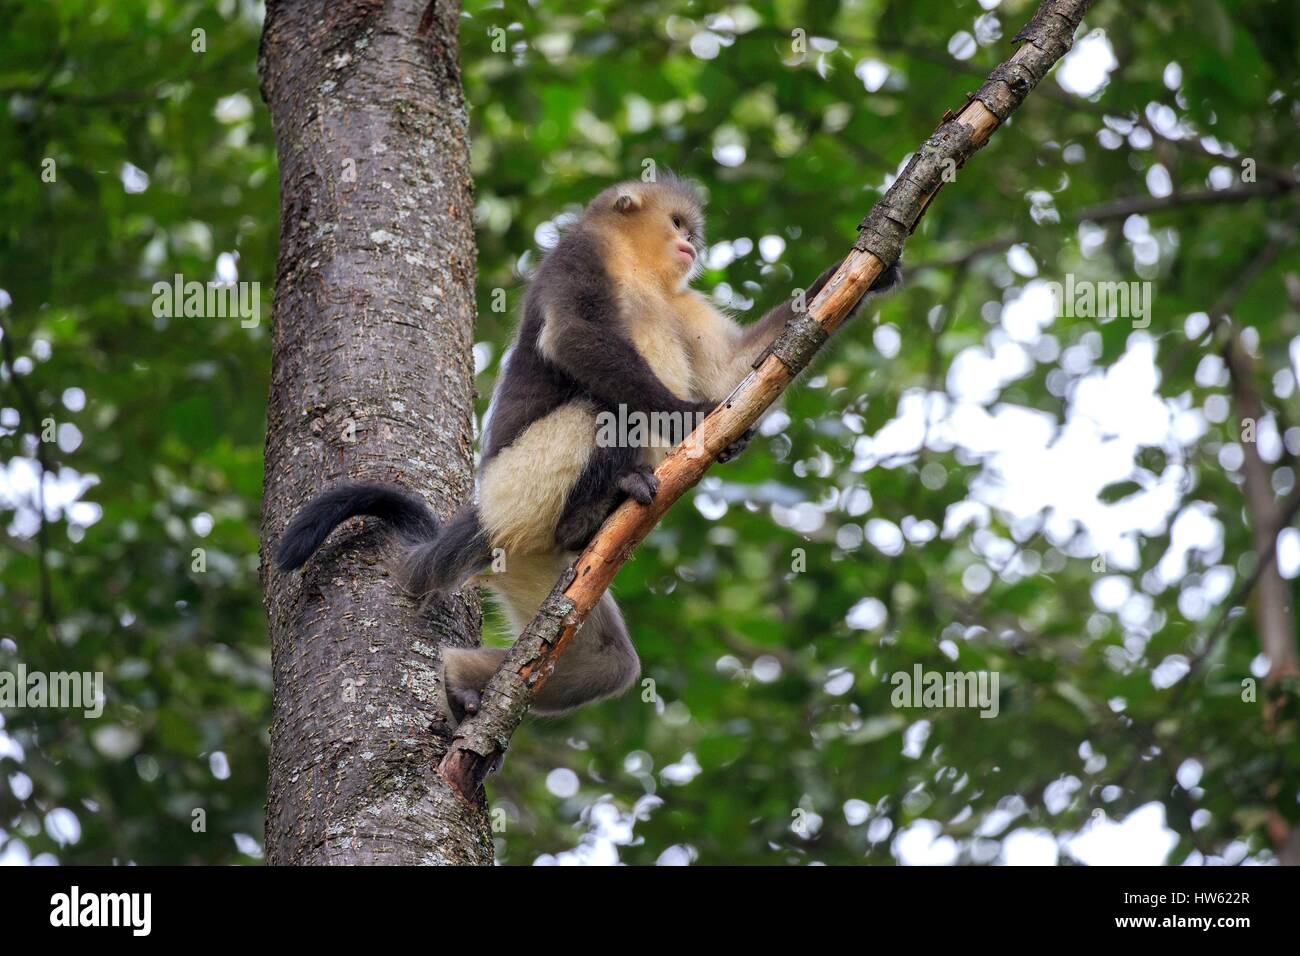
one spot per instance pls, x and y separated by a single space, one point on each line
372 376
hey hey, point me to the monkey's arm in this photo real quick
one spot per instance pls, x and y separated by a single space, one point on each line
583 336
751 340
612 472
756 337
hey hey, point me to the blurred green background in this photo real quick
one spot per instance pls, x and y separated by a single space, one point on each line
963 482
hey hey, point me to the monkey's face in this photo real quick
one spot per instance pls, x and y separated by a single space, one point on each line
672 234
671 229
665 224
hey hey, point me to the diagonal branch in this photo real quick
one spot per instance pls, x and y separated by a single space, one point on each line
1141 205
1276 623
1265 560
1121 209
1280 515
1267 253
481 741
1192 144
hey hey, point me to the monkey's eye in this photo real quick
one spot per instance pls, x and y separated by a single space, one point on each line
677 222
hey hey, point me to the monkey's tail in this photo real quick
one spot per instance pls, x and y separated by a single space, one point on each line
405 512
435 557
436 565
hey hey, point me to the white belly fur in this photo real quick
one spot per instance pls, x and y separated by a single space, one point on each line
523 489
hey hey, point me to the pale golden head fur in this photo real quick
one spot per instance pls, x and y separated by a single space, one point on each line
653 224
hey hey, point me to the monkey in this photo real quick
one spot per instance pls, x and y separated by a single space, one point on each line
609 325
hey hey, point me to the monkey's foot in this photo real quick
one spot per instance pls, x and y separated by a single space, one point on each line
465 701
736 447
640 484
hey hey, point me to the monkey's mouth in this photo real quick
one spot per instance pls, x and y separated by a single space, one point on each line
685 252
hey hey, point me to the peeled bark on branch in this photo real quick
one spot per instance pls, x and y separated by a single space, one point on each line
371 378
482 740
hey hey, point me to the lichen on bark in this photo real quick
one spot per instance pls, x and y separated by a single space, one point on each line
372 376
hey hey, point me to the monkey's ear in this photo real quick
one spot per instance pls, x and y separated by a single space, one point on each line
626 202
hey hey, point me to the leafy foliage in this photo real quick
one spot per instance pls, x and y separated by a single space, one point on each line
851 543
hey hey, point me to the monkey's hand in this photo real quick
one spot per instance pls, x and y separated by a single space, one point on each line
733 450
889 278
579 525
884 282
639 484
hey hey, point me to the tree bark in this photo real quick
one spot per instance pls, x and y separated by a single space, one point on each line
372 376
